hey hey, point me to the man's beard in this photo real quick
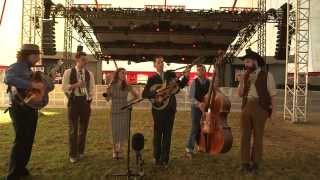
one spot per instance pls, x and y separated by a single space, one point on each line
30 64
251 68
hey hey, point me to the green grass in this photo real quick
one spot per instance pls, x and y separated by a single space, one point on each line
291 150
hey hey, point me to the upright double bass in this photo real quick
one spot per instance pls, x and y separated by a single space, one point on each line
215 136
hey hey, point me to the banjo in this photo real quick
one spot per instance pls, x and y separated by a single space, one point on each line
163 94
169 88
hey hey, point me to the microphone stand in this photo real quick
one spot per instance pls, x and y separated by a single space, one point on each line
129 173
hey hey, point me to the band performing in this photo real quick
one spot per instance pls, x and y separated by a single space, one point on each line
209 108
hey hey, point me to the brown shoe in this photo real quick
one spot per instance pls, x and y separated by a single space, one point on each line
254 168
245 168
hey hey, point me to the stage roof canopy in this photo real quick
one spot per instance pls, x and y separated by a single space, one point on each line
178 34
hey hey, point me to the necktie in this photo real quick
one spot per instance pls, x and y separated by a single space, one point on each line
81 89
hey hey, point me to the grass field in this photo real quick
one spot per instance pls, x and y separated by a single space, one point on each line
292 151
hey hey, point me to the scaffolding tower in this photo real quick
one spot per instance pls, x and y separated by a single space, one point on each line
296 84
32 11
68 31
262 31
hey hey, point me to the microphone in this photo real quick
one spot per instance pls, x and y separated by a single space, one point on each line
137 142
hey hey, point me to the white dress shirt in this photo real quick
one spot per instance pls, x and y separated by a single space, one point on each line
66 87
270 84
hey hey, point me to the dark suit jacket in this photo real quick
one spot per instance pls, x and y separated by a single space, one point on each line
156 79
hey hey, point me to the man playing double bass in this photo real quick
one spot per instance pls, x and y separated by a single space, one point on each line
164 118
199 88
258 91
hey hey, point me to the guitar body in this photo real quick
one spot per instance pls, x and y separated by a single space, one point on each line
163 95
37 98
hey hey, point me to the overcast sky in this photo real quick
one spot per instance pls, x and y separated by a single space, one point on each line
11 23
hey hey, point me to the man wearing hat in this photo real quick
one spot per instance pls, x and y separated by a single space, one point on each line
24 118
258 91
78 85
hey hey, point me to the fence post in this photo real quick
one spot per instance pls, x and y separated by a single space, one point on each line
2 94
54 96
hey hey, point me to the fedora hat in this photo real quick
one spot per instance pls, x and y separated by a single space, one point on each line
254 56
30 49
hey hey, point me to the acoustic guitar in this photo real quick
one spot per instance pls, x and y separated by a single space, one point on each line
36 98
169 88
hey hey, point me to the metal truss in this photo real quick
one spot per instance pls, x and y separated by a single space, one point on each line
248 32
245 35
32 11
262 31
85 33
73 21
296 85
68 32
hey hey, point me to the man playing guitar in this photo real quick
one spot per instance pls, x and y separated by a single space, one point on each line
24 117
163 118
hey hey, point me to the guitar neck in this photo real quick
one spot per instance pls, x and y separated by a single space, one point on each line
214 83
55 68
